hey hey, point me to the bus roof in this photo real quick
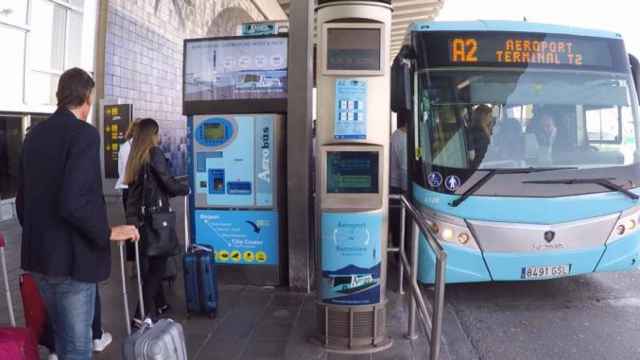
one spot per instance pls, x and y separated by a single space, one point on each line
516 26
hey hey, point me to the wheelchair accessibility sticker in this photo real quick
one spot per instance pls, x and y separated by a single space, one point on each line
435 179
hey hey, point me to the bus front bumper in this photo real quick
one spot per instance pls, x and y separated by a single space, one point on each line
467 265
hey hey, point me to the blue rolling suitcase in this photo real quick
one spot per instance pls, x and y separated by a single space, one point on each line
200 282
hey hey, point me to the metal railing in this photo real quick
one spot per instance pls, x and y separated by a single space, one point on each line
432 323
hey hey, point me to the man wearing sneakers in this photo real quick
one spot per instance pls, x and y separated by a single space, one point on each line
65 230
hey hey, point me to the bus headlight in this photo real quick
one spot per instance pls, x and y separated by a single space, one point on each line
450 230
626 225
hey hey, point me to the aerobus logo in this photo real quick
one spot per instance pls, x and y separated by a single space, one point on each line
265 174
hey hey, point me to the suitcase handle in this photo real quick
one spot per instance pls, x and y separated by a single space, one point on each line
124 283
187 224
5 276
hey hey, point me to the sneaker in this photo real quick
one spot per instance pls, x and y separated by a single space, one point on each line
52 357
163 309
102 343
136 324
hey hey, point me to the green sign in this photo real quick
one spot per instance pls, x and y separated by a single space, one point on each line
252 29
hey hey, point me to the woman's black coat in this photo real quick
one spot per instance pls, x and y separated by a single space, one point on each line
161 187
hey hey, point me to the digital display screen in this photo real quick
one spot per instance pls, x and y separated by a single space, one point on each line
214 132
353 49
352 172
236 69
518 50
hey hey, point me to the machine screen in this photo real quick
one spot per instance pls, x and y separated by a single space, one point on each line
353 49
352 172
214 132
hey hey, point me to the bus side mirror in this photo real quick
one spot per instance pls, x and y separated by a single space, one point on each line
635 71
400 86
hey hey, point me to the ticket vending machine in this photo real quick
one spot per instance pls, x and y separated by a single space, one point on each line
235 100
353 136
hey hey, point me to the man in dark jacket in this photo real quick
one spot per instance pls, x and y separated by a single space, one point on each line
65 231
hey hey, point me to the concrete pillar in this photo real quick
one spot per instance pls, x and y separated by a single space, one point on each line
299 146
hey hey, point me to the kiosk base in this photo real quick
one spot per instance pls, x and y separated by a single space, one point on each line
352 329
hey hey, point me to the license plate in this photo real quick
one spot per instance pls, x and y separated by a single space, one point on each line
545 272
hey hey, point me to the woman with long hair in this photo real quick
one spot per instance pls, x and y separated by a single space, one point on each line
150 188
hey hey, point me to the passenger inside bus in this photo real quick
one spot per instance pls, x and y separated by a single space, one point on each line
480 133
510 141
544 128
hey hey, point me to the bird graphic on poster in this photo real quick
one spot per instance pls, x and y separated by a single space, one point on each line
256 228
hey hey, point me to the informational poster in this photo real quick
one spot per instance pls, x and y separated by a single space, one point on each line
351 258
351 109
116 123
239 237
236 69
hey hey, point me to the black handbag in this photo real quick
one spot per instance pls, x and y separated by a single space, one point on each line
158 230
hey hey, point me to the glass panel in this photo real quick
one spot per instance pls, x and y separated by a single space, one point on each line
521 119
602 125
42 88
14 11
353 49
47 43
74 46
12 66
10 147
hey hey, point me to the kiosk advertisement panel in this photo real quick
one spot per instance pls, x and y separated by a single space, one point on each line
235 171
236 69
235 97
351 266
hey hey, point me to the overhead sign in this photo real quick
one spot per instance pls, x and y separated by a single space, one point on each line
519 49
524 50
259 28
116 123
235 69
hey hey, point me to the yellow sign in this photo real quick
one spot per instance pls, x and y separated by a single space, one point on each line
222 255
464 50
248 256
261 256
538 52
235 255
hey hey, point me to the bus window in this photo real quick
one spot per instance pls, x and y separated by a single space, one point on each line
603 125
539 119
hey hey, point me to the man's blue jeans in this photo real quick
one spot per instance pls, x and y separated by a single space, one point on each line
70 305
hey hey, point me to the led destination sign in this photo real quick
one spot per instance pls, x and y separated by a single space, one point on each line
524 50
519 50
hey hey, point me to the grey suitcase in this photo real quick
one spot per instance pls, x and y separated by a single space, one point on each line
163 340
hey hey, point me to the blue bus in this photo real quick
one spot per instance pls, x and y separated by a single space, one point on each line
522 148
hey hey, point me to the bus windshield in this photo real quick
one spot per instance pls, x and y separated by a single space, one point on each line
478 118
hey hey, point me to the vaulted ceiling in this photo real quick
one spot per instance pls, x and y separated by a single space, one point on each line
404 13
